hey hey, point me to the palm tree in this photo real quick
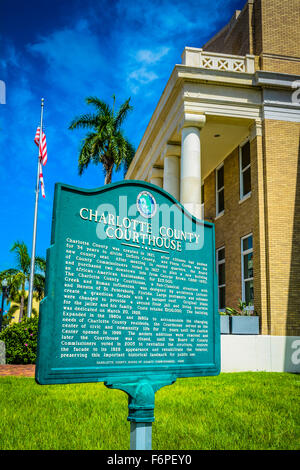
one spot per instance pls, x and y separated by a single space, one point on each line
16 305
17 277
106 142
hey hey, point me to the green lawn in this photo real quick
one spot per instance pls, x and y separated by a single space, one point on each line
231 411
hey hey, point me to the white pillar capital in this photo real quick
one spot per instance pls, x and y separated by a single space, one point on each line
173 150
156 176
255 129
191 120
171 156
157 172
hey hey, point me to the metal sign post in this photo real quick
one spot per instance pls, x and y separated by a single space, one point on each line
131 296
140 436
141 397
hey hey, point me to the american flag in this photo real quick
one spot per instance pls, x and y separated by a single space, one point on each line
42 182
42 156
43 147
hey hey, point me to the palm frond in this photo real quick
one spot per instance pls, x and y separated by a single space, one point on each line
99 104
122 113
22 256
125 151
85 121
129 157
86 153
39 286
99 147
40 263
7 274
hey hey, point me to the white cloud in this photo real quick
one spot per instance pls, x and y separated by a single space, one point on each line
142 75
11 56
152 57
74 58
144 65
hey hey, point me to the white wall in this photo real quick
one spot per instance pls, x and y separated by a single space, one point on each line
260 353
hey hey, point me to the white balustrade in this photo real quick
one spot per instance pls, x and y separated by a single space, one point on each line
194 57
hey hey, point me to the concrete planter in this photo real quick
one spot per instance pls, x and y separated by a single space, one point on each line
245 325
225 324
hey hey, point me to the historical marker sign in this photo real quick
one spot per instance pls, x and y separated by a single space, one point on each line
130 290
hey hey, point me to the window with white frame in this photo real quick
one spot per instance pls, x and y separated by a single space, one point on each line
245 170
247 269
220 189
220 255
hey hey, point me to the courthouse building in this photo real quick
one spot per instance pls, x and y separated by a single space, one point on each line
224 140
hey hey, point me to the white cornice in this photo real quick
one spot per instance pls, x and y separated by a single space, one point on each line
282 112
282 103
207 92
275 80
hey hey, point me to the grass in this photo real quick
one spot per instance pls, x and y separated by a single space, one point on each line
238 411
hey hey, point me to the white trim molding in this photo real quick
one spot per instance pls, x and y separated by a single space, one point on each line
218 190
242 170
255 129
245 253
220 286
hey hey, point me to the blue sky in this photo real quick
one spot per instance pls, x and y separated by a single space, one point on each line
64 51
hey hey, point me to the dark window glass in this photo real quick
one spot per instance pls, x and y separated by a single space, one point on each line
202 193
222 297
247 243
245 169
220 175
246 181
248 266
221 274
221 200
221 254
249 292
245 155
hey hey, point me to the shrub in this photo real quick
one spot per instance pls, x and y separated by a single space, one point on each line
21 341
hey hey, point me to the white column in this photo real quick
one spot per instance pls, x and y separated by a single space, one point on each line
172 170
156 176
190 175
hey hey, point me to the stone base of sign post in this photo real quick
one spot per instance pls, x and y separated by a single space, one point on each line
2 353
141 397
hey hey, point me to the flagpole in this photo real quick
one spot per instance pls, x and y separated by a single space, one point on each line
30 294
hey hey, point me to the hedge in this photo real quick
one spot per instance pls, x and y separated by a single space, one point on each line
21 341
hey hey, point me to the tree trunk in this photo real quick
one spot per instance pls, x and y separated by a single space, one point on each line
21 308
108 174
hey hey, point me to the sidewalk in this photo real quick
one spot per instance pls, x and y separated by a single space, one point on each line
19 370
